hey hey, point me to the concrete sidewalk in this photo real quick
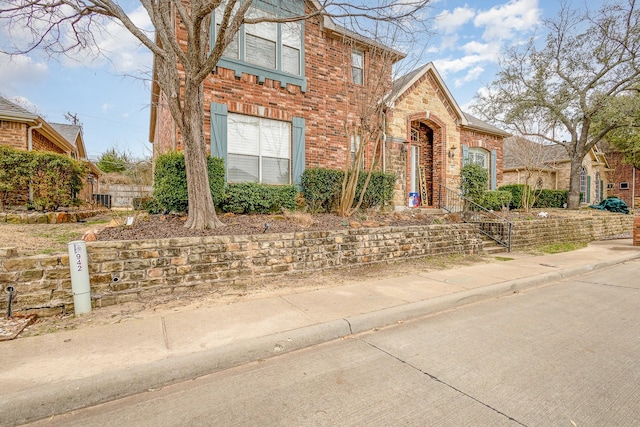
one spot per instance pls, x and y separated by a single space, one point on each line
55 373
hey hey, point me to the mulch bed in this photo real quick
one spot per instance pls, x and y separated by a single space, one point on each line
168 226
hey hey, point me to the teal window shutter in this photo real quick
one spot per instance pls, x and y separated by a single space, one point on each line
494 173
219 132
465 155
588 189
298 157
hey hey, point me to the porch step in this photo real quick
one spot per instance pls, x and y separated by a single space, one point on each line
425 211
490 247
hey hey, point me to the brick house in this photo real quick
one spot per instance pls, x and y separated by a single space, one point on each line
22 130
427 129
284 97
623 179
553 169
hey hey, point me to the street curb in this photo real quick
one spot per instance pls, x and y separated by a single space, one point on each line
61 397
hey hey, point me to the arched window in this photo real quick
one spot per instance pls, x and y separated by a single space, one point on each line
598 189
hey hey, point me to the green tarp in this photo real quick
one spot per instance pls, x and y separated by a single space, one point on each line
612 204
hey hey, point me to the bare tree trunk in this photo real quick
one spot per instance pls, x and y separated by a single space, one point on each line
202 213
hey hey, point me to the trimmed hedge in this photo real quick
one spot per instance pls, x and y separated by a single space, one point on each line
321 189
250 198
495 200
551 199
170 183
516 191
55 179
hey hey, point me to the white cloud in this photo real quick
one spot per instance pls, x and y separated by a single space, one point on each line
505 21
19 69
472 75
106 107
450 22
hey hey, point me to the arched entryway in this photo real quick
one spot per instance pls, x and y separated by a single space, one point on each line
425 151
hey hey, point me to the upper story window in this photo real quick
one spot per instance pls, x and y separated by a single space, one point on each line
267 49
357 67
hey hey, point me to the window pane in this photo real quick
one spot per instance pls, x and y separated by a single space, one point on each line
243 134
242 168
292 34
357 76
275 138
275 171
290 60
357 59
260 51
231 50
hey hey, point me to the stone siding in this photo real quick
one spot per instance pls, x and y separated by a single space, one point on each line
122 271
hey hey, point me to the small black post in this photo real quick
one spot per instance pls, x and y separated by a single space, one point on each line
9 289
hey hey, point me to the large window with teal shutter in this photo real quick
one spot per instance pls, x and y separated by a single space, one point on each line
273 50
257 149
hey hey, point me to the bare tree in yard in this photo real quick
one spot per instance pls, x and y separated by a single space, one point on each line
588 61
61 26
364 124
533 159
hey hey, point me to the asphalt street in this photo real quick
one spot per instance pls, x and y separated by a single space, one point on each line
565 354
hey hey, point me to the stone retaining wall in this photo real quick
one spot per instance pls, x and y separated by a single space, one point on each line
122 271
46 217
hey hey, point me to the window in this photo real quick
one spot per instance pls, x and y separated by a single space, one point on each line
583 181
357 67
266 49
624 185
415 135
478 156
598 187
258 150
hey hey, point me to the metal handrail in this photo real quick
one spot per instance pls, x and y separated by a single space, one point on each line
489 223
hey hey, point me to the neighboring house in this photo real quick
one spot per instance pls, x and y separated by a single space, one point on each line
623 179
22 130
284 96
549 167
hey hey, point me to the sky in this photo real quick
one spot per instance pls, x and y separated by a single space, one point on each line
111 96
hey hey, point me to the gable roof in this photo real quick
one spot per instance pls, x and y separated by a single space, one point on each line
405 83
12 111
553 154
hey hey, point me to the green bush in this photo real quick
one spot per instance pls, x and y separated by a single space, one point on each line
495 200
250 197
15 171
54 179
551 199
474 182
516 191
321 189
170 182
379 191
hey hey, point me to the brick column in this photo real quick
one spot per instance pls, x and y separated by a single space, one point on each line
636 229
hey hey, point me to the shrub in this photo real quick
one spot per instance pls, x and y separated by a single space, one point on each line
249 197
379 191
551 199
516 191
15 170
55 180
474 181
496 200
170 182
321 189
